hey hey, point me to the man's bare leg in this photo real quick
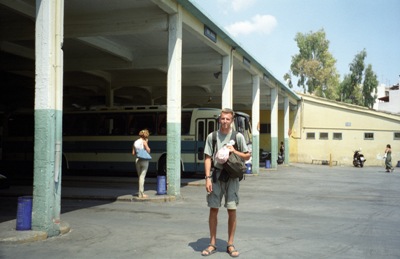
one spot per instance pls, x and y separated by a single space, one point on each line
231 232
212 223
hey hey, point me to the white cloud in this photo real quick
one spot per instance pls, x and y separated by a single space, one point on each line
262 24
239 5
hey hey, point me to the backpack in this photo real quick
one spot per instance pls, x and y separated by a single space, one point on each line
234 166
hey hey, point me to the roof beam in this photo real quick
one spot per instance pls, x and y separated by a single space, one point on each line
17 50
122 23
21 7
167 6
109 46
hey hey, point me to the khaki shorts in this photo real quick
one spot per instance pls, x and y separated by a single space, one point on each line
229 190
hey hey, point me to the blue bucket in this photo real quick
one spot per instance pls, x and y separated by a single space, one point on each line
248 168
161 185
267 164
24 213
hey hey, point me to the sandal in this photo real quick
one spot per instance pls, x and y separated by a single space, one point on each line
231 252
208 251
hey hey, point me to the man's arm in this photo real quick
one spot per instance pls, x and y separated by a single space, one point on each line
208 150
244 155
207 171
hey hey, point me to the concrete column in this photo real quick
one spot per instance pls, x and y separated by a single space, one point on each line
255 120
48 116
274 127
174 100
59 61
286 128
110 96
227 81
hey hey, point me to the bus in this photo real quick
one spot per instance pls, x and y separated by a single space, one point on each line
1 135
100 139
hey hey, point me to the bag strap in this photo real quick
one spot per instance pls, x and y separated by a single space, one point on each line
214 140
214 143
233 137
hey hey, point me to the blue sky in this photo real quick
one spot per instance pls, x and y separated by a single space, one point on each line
266 29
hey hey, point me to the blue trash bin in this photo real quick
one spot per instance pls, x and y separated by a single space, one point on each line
161 185
24 213
248 168
267 164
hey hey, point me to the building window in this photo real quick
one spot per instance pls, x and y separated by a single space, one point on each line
323 135
396 135
265 128
368 136
310 135
337 136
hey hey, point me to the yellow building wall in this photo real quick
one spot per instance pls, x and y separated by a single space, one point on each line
318 115
265 138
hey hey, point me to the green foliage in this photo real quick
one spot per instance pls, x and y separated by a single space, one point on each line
356 91
288 78
370 86
314 65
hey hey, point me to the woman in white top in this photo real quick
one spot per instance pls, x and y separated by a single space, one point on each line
141 164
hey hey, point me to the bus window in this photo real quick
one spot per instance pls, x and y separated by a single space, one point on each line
112 124
162 124
211 126
185 123
80 125
141 121
1 134
21 125
200 131
69 124
119 125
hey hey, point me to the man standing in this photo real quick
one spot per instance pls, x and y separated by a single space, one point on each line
218 185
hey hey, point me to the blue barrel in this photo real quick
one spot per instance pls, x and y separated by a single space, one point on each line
267 164
24 213
248 168
161 185
398 163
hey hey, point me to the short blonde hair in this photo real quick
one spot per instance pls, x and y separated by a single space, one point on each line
144 133
228 110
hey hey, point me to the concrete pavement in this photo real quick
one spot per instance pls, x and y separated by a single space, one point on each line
85 188
297 211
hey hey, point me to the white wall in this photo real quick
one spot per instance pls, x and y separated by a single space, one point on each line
393 106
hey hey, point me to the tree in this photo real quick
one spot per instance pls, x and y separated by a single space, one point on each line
314 65
354 89
370 86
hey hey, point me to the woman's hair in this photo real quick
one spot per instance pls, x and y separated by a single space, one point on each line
144 133
388 146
